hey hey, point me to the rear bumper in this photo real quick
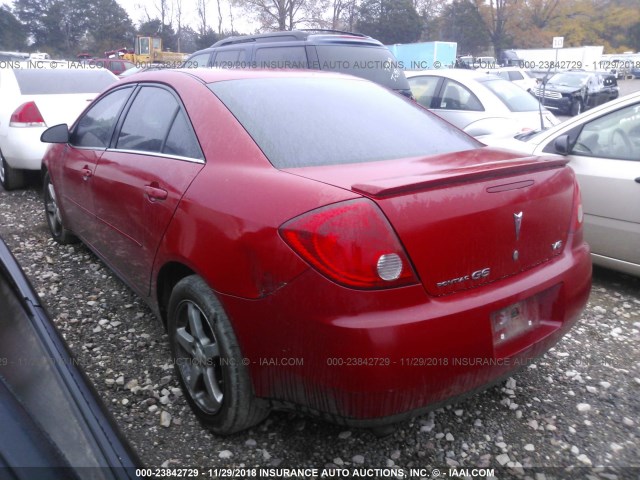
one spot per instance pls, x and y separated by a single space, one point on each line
370 358
22 147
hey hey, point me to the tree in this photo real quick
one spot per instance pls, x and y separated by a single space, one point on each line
495 14
277 14
390 21
13 35
461 22
109 27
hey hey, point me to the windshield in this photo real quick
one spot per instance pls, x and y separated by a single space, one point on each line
514 97
568 80
307 121
34 81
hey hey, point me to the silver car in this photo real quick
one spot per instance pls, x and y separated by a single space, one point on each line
478 103
603 147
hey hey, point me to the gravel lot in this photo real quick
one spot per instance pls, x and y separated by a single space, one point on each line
577 407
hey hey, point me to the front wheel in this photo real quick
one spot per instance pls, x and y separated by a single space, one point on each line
54 218
208 360
576 108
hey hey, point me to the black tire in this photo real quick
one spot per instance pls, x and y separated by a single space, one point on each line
576 108
11 178
54 217
208 360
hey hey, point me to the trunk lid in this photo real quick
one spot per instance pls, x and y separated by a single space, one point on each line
468 218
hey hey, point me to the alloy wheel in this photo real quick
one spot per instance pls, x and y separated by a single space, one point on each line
198 357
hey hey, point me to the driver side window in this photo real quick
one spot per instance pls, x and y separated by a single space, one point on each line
95 128
615 136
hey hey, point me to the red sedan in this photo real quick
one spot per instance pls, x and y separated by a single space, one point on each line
314 241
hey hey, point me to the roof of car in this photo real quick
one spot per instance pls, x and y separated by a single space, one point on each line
211 75
319 35
455 73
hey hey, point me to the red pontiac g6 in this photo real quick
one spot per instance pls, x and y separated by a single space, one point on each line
315 241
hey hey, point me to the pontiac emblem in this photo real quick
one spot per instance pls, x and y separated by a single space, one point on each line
517 218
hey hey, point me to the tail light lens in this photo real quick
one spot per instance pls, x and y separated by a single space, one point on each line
577 217
27 115
351 243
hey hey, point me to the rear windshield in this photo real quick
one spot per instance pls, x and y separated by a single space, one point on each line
372 63
300 122
36 81
515 98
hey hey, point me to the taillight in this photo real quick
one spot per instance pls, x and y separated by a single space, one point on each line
27 115
351 243
577 216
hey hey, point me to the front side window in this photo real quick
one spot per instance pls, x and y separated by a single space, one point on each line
198 61
95 127
613 136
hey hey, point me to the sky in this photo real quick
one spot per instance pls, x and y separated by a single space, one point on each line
140 10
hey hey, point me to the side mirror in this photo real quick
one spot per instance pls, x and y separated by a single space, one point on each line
56 134
561 145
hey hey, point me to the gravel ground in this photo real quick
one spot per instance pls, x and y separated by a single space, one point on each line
576 407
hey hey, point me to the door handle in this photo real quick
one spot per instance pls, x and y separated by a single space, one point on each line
86 173
155 193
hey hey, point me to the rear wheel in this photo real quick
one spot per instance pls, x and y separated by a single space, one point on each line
54 218
208 360
11 178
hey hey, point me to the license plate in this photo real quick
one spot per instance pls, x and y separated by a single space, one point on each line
515 320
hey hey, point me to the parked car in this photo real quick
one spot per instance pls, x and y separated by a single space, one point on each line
53 423
603 146
115 65
301 234
478 103
328 50
518 76
32 99
572 92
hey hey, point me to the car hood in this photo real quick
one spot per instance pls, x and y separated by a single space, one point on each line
561 88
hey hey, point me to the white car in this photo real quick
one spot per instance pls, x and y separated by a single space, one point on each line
478 103
34 96
603 148
517 76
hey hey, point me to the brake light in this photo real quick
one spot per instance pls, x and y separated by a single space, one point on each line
577 216
351 243
27 115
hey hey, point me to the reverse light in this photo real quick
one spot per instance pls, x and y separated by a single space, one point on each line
27 115
351 243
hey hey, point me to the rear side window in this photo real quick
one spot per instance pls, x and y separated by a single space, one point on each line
155 115
423 89
513 76
95 127
37 81
281 57
299 122
148 120
372 63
